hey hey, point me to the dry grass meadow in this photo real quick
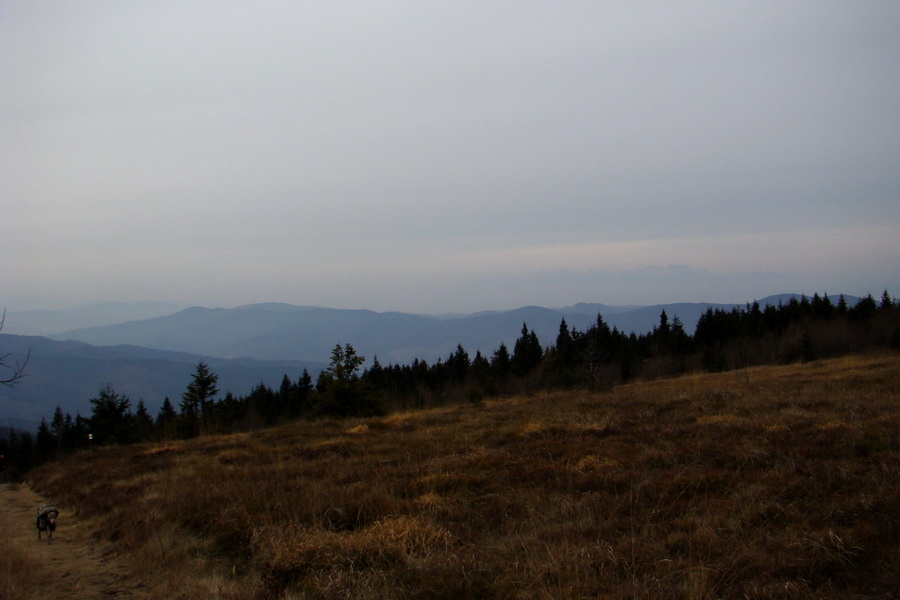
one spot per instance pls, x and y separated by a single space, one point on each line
770 482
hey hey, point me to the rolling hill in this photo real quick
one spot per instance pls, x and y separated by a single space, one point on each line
69 373
285 332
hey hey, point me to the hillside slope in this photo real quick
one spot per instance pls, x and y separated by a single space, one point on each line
767 482
69 373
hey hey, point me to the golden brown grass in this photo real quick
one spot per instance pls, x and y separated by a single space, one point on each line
21 575
21 569
774 482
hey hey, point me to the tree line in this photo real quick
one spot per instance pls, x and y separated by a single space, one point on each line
597 358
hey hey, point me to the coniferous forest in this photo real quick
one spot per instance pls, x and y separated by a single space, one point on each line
598 358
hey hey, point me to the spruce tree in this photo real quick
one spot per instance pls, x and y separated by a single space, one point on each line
564 344
198 399
45 443
341 391
143 423
527 352
58 426
345 363
109 414
166 420
500 361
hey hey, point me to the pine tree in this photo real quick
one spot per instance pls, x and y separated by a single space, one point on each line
564 344
527 352
865 309
197 401
341 391
45 443
284 391
58 427
69 434
481 369
109 414
143 423
166 420
458 364
500 361
264 402
300 398
842 307
80 431
345 363
663 329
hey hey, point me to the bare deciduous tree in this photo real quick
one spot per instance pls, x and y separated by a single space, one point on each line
11 374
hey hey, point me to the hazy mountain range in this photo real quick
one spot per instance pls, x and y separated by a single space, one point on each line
49 322
70 373
287 332
148 354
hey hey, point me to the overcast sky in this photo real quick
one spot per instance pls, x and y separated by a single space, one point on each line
447 156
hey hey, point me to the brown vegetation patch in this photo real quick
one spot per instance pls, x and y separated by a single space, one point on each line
719 420
594 463
768 482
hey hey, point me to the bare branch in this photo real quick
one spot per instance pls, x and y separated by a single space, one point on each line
18 372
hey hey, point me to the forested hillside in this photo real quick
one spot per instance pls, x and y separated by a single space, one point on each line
596 359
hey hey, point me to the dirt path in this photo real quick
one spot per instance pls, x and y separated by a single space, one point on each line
73 566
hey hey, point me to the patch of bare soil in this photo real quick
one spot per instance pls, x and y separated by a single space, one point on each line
74 565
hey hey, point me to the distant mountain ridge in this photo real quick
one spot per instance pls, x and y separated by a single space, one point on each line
69 373
277 331
47 322
153 358
259 331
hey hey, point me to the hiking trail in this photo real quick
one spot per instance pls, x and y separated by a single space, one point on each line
74 565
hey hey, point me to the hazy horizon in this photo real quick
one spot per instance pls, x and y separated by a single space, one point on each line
160 306
447 156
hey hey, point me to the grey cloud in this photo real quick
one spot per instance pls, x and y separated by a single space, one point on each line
165 142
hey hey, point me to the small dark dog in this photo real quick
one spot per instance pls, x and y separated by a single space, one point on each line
46 520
